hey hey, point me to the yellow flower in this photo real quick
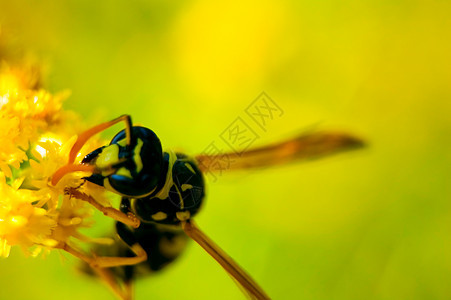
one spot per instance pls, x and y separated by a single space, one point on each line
21 222
72 215
50 155
13 139
24 114
35 213
37 136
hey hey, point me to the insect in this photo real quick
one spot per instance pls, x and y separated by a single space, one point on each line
161 193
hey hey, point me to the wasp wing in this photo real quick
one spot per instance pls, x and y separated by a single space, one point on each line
253 290
306 146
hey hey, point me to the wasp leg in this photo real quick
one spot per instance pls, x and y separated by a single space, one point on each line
253 290
128 219
116 261
105 274
110 261
124 293
129 289
129 239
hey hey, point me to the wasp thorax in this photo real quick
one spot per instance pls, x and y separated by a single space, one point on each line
177 199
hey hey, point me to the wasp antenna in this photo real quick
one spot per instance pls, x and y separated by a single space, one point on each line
85 136
64 170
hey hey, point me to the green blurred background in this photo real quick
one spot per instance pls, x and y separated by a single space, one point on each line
373 224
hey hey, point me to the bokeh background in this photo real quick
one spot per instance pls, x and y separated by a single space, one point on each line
373 224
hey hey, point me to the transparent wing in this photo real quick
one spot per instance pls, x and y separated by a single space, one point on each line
306 146
252 289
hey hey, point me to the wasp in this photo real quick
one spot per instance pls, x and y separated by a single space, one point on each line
161 191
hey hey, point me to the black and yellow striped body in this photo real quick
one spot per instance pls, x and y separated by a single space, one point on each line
177 197
162 189
162 243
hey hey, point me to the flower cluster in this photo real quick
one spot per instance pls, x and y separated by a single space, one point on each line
36 137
